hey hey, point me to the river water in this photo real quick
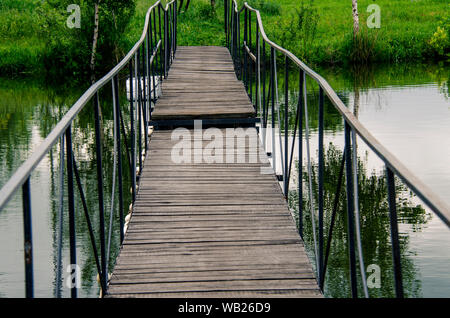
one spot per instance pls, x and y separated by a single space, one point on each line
405 107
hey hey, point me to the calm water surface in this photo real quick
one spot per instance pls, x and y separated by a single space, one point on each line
406 108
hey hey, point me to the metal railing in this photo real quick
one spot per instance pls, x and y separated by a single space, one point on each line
253 67
147 63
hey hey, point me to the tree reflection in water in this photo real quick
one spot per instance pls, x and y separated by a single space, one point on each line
375 228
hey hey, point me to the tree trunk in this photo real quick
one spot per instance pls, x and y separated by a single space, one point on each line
94 41
187 5
355 17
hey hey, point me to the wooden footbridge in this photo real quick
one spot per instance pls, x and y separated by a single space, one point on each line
209 229
209 216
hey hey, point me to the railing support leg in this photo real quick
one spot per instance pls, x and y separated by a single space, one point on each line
28 239
132 137
300 155
71 201
394 233
119 154
286 126
104 274
350 210
321 169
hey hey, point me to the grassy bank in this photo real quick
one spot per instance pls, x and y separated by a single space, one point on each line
20 43
317 31
321 31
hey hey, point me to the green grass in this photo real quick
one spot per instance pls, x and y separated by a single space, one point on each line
406 28
20 40
324 38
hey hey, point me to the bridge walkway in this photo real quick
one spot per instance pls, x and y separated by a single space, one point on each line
207 227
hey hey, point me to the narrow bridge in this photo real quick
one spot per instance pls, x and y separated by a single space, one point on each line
209 229
209 217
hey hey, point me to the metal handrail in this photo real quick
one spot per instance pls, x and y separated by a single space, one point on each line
433 201
248 67
144 53
22 173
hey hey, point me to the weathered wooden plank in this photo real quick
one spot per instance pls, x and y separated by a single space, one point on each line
205 70
279 293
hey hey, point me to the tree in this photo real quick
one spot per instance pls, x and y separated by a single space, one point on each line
94 47
113 16
355 17
94 40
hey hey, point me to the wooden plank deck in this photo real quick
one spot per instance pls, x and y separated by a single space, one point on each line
202 84
210 229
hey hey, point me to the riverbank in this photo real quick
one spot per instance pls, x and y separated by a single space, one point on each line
318 32
321 32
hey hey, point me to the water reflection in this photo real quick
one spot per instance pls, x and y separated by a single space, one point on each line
406 108
28 112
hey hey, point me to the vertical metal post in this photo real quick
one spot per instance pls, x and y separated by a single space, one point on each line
156 59
150 73
119 155
264 125
176 29
146 99
300 155
350 210
132 136
286 126
321 169
235 44
245 51
104 274
225 20
27 239
170 25
162 44
139 106
166 44
238 46
272 85
251 60
258 74
71 201
394 233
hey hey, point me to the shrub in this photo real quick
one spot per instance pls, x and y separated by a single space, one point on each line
440 41
362 48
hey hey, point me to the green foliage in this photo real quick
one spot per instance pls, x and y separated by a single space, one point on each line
440 40
300 28
204 10
362 47
34 36
265 6
69 50
201 25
